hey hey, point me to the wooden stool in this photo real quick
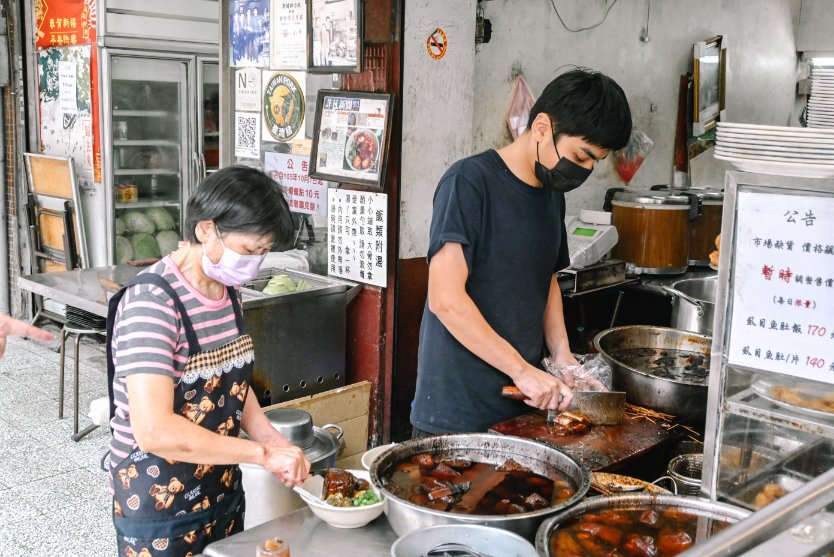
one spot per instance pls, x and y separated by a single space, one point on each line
79 330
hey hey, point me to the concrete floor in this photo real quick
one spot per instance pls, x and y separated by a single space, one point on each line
54 498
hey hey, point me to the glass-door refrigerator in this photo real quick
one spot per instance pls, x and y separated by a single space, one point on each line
160 135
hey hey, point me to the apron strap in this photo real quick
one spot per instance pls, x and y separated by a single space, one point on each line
112 308
233 296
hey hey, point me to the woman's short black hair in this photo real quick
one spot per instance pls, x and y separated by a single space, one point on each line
240 199
588 104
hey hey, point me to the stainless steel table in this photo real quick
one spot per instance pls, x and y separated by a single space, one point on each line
310 537
81 288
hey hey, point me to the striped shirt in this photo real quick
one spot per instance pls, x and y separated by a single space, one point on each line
149 337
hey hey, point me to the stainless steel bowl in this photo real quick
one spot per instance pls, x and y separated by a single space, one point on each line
542 459
692 505
686 401
490 541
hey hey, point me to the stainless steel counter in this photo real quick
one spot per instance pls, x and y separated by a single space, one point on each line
81 288
310 537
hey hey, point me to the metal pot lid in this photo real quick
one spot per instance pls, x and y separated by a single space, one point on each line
650 198
325 445
705 194
295 425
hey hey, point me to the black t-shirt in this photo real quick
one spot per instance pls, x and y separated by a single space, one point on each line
513 238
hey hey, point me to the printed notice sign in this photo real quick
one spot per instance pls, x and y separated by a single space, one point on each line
357 239
783 295
304 194
248 90
67 87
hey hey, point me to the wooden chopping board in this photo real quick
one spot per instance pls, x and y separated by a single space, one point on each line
604 448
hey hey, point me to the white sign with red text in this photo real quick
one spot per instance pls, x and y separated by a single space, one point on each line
304 194
783 285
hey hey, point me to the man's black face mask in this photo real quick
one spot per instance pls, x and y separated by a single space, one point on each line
564 177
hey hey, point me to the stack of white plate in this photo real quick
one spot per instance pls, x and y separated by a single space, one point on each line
779 150
821 101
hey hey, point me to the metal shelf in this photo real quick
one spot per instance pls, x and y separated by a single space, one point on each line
750 405
145 142
146 113
144 172
147 204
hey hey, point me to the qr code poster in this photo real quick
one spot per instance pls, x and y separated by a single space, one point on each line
247 135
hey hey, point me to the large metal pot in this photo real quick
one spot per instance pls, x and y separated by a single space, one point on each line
691 505
405 516
686 401
693 304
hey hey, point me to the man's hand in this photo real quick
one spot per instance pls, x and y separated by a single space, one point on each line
542 390
13 328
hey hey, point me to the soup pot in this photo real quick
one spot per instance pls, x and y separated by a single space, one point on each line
693 304
691 505
685 400
405 516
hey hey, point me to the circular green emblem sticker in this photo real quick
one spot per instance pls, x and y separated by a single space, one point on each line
283 104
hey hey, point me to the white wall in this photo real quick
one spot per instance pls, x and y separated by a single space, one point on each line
528 39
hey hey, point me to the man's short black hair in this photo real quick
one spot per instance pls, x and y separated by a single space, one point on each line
587 104
240 199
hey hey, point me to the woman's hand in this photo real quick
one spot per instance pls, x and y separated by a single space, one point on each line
287 464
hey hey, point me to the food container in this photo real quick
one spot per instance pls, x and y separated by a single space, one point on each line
685 400
691 505
653 229
693 304
266 497
127 193
748 497
491 541
542 459
339 517
704 228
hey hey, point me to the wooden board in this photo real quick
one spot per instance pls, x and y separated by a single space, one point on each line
50 176
603 448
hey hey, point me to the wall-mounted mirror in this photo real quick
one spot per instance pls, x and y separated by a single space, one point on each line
709 70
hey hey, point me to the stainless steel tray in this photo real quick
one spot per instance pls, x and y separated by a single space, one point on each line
747 496
764 387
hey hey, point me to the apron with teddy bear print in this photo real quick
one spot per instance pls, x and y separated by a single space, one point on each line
164 508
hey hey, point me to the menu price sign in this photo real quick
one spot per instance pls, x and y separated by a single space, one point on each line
350 137
783 296
303 194
357 242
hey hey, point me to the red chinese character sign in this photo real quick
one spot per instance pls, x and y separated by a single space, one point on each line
304 194
357 239
783 293
65 23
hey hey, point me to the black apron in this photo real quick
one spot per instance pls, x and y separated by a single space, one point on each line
164 508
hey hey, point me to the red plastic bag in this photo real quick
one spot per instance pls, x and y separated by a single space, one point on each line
520 107
627 160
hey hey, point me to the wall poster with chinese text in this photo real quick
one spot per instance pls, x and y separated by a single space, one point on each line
304 195
357 239
73 23
783 286
288 44
66 108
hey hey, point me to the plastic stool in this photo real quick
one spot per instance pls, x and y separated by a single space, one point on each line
72 328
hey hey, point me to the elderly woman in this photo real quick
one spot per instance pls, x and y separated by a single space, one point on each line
181 367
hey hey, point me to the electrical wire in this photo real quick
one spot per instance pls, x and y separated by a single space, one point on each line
559 16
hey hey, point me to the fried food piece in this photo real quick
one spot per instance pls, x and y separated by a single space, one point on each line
713 258
718 242
564 545
513 466
606 533
341 484
443 472
570 423
534 501
671 542
640 546
769 493
423 460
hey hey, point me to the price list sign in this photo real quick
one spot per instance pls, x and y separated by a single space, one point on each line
358 236
783 297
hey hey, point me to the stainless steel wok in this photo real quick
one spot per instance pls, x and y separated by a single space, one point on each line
685 400
542 459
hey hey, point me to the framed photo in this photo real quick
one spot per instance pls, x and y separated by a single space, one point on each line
249 33
351 137
335 36
709 63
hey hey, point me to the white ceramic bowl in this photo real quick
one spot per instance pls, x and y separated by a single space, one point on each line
339 517
491 541
369 456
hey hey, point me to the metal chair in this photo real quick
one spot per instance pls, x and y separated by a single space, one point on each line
79 330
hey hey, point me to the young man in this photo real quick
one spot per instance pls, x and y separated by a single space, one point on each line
497 239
